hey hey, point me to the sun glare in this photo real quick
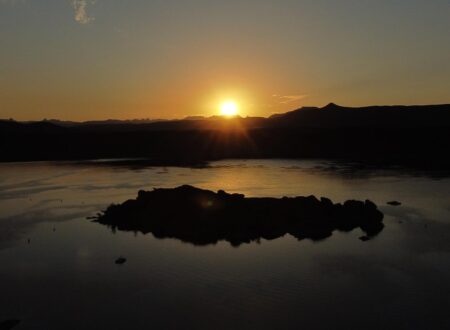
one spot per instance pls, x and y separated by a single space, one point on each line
229 109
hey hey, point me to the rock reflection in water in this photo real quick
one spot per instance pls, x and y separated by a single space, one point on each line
203 217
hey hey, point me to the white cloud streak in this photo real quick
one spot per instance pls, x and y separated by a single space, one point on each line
285 99
81 13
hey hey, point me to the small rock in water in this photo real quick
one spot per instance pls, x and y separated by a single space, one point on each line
364 238
8 324
394 203
121 261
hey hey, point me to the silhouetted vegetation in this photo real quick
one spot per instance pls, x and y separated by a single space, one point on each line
204 217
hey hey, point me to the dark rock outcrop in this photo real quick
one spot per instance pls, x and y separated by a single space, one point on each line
120 261
204 217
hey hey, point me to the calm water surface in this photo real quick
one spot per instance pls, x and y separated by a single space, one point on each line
57 269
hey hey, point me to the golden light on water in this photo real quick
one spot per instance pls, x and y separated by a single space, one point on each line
229 108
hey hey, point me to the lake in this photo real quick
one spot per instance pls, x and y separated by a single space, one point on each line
58 269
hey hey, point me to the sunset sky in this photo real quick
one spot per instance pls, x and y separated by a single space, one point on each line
82 60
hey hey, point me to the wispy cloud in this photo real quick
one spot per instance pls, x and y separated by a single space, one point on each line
286 99
81 13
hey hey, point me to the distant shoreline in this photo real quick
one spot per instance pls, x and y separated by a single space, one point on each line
414 136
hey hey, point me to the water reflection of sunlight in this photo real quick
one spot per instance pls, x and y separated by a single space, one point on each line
280 275
71 188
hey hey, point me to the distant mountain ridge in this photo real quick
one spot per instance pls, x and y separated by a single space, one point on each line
391 134
102 122
331 115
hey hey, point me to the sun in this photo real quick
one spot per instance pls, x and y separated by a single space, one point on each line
229 108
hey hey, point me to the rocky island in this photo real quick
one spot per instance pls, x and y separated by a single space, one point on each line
204 217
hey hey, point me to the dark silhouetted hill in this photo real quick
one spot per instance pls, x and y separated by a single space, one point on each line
334 115
107 122
43 127
383 134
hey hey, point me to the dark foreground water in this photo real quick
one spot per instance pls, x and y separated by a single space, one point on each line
57 269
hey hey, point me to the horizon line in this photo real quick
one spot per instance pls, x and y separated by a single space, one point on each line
202 117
